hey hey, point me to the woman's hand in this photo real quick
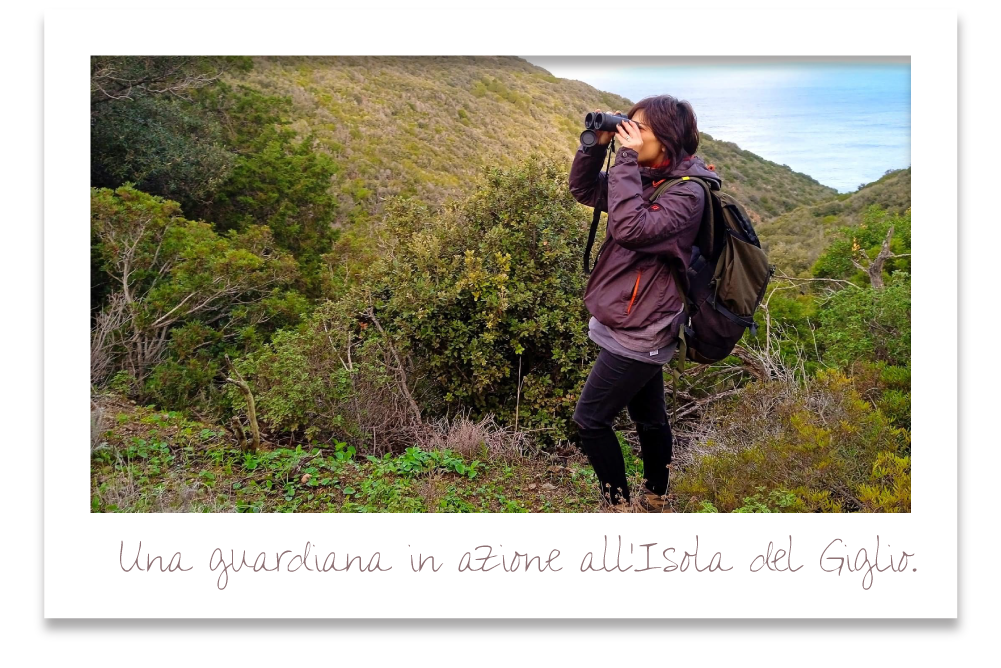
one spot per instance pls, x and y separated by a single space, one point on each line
605 137
629 136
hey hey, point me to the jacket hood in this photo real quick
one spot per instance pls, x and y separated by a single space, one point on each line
691 165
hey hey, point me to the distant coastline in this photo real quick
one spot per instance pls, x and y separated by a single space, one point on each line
843 124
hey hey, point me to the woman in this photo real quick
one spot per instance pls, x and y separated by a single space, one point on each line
632 295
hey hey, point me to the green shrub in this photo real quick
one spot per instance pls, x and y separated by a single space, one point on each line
284 184
184 295
475 290
868 324
863 242
889 489
330 377
778 448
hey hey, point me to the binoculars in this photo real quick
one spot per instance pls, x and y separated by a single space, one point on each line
595 122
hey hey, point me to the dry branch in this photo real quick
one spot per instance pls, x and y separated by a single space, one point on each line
251 410
400 372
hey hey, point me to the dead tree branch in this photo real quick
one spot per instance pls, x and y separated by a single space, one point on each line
251 409
401 374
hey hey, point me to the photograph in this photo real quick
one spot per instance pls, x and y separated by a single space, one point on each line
500 284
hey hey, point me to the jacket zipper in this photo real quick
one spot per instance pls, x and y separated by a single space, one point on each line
635 288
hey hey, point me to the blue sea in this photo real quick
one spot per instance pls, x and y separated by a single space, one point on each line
843 123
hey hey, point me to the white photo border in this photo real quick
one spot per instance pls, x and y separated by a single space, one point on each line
82 576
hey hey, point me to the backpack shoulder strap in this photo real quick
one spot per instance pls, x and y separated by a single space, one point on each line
707 226
667 183
678 363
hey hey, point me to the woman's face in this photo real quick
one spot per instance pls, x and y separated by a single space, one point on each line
653 151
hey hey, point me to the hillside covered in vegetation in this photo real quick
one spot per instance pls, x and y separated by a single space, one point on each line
795 239
354 284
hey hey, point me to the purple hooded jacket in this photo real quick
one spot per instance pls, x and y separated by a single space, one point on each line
632 285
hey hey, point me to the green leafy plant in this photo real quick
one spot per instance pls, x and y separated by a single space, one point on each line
480 291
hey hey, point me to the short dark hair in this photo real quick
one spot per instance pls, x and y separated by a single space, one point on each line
672 122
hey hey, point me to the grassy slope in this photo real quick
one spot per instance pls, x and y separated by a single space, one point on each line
795 239
429 125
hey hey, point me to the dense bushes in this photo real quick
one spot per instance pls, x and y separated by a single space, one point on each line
227 154
460 298
181 296
782 448
868 324
835 437
480 292
146 129
854 245
871 322
162 145
284 184
454 300
838 316
335 375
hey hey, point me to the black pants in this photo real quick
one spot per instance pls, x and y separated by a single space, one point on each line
613 384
